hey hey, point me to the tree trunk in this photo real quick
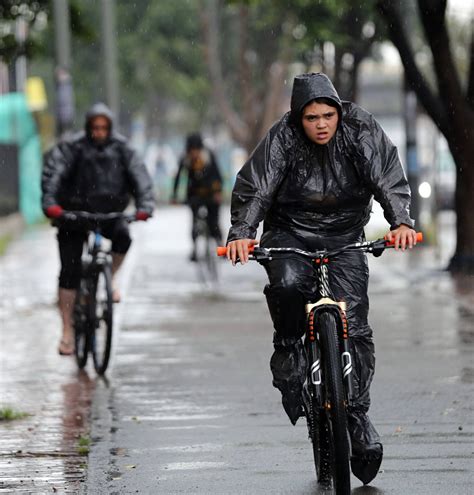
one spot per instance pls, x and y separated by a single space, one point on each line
209 19
463 259
257 112
450 110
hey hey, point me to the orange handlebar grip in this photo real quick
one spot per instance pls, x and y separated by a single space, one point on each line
221 251
419 238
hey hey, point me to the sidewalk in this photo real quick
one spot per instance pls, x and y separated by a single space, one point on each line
38 454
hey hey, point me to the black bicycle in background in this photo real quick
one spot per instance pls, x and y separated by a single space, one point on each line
205 246
328 390
93 315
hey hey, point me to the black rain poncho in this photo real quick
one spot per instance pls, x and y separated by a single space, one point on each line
80 174
283 184
312 197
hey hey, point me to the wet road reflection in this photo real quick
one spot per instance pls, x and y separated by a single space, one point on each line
41 452
38 454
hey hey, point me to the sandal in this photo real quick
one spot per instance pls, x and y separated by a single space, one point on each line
66 348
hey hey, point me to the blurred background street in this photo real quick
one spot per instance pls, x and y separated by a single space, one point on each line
187 405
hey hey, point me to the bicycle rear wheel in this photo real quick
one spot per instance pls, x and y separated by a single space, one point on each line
81 326
335 407
102 320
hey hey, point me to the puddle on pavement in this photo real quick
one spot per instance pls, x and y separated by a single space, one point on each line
186 466
172 417
197 448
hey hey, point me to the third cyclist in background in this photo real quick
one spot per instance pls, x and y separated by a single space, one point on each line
204 185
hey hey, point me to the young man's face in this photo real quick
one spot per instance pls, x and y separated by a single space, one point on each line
100 128
320 122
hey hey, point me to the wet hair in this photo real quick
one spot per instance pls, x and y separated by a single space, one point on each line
194 142
327 101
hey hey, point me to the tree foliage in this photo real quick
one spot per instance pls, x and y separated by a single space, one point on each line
11 11
253 47
37 16
161 61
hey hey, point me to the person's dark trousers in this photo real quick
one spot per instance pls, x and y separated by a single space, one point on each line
71 241
291 284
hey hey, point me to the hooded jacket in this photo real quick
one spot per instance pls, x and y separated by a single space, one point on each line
287 183
81 174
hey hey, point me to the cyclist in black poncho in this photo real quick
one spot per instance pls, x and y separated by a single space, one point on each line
94 171
312 180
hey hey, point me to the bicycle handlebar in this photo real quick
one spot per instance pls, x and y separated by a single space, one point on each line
368 246
96 217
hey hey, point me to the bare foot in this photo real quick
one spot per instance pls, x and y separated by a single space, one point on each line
66 347
116 296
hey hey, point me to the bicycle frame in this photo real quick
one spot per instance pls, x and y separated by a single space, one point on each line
324 301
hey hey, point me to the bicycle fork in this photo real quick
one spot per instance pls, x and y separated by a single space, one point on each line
315 375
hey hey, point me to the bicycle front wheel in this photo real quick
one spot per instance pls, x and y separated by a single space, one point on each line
335 403
102 320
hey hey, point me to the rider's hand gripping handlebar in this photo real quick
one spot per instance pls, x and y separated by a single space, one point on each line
376 247
419 238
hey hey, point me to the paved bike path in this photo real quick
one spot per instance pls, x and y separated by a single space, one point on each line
189 407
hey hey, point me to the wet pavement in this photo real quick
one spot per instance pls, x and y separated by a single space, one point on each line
188 406
38 454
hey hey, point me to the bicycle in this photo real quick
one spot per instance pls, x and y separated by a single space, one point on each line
93 309
204 248
328 390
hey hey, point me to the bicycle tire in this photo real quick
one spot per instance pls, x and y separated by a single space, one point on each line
200 245
211 258
318 428
81 330
206 259
336 412
102 319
